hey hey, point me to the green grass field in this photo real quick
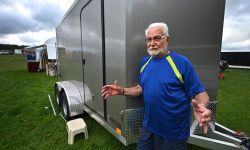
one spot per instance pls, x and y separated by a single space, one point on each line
26 124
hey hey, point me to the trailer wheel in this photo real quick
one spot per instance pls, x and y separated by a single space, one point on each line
65 106
58 96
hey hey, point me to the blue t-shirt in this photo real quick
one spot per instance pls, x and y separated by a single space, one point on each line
166 99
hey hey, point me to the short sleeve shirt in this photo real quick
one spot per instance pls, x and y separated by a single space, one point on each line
167 100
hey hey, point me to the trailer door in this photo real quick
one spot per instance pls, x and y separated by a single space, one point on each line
91 28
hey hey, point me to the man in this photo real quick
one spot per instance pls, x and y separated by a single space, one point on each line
167 82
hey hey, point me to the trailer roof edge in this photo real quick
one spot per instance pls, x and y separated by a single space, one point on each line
67 12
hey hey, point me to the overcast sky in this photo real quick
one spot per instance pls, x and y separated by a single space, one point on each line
31 22
236 32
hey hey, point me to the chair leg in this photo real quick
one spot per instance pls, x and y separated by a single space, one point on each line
70 138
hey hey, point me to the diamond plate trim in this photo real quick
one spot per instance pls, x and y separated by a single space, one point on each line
131 124
76 109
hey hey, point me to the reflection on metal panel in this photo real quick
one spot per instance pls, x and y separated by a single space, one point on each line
68 37
92 52
115 50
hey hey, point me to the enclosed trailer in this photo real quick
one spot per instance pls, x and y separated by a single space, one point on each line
101 41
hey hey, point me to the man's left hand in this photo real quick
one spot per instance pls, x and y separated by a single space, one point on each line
202 115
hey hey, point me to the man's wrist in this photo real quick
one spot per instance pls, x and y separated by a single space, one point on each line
122 91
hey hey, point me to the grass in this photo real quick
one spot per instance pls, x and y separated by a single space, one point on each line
233 109
26 124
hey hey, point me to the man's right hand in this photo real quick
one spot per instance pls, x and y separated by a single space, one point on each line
111 90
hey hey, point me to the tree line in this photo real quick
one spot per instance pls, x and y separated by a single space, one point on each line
11 48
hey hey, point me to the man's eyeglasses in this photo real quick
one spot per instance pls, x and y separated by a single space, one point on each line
155 38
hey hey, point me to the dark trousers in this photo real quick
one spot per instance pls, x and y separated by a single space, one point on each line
150 141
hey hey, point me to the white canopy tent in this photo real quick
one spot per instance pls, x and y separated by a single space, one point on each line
51 48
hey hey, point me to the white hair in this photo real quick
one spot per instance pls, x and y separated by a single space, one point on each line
158 24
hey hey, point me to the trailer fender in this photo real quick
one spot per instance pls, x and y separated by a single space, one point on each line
74 97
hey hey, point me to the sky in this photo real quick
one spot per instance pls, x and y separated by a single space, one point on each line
236 31
32 22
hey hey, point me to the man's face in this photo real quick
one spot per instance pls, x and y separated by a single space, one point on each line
156 41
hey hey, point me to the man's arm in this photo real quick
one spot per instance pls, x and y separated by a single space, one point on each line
133 91
115 89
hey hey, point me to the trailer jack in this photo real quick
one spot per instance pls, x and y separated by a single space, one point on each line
246 143
245 140
218 138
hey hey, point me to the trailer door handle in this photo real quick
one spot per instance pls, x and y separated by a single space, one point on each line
83 61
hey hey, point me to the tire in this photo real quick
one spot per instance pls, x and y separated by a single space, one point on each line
65 106
58 96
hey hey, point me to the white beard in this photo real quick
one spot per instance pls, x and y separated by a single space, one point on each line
155 53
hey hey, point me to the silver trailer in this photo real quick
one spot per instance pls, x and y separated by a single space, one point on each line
101 41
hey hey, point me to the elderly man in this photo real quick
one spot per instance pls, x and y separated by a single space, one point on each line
167 82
